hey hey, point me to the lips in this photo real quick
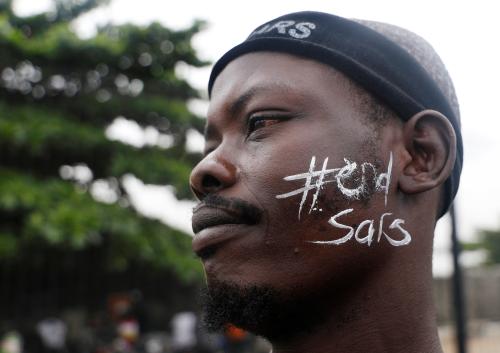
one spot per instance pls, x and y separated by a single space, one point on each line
206 217
216 220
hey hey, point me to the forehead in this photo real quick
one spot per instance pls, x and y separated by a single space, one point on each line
275 75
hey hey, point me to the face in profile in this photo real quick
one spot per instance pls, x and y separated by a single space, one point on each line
273 120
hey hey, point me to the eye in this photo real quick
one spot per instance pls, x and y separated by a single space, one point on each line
256 122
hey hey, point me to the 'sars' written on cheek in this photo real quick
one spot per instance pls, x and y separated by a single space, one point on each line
367 231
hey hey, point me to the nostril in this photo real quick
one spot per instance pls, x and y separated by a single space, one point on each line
210 183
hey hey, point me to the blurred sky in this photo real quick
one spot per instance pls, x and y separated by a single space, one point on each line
464 33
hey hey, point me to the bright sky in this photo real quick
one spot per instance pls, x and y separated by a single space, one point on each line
463 32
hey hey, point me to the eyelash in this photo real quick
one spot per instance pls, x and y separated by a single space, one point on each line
254 119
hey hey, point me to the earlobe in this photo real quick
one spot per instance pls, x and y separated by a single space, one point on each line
430 141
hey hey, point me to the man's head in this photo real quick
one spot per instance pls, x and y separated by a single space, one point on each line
323 175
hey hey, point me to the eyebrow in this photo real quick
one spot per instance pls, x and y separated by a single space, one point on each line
242 101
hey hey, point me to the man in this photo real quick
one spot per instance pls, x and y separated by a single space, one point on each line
332 147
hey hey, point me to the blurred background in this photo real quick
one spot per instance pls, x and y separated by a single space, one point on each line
101 108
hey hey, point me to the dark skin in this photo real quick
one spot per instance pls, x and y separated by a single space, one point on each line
268 115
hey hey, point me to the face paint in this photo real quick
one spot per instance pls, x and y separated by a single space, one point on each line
316 180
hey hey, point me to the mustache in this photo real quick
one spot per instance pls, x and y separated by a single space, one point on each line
243 210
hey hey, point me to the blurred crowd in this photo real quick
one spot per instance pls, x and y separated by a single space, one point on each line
122 328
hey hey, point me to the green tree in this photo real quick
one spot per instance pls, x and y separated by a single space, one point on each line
58 94
488 241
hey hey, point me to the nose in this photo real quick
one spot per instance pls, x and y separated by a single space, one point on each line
211 175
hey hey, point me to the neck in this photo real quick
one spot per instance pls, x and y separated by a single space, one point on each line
393 311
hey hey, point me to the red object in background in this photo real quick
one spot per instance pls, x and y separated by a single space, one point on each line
235 334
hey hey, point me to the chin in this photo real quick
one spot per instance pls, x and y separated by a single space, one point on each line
261 309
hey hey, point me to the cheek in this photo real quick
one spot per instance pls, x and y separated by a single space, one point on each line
289 238
285 204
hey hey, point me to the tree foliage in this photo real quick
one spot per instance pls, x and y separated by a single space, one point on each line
488 241
58 94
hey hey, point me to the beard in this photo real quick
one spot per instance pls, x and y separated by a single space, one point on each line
264 311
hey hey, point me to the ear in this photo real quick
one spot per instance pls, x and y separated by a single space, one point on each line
430 141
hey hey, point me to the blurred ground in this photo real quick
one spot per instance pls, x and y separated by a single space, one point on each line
484 337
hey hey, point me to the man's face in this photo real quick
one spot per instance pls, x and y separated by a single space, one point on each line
269 114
